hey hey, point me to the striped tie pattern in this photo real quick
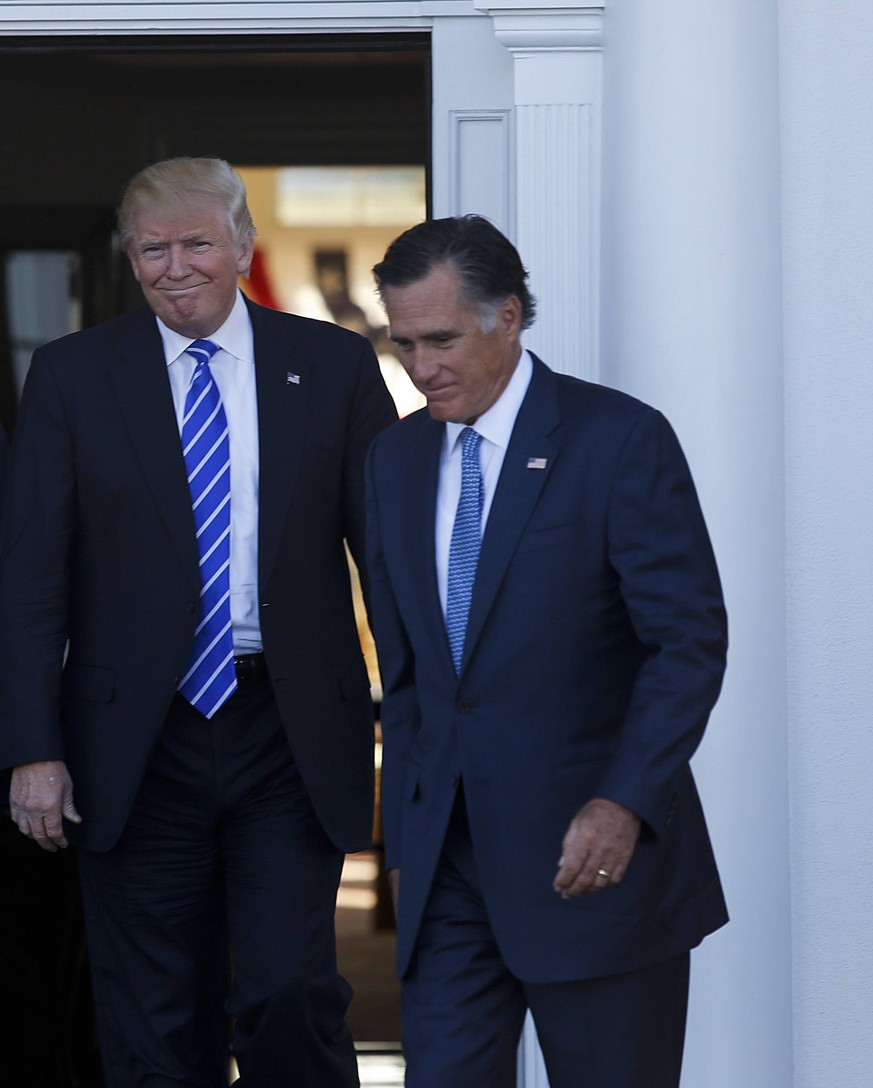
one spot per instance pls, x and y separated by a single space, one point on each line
211 677
465 543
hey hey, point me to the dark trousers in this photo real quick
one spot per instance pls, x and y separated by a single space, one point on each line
463 1010
218 902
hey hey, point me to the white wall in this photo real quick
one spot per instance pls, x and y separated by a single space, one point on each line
691 323
738 194
827 151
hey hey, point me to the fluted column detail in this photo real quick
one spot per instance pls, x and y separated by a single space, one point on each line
556 55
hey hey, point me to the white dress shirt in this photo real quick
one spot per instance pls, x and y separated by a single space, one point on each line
233 368
495 426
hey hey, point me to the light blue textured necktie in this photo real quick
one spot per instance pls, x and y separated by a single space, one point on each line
465 543
211 677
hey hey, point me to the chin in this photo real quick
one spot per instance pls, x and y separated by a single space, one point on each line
445 413
186 323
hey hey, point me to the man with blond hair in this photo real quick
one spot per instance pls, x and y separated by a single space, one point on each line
183 691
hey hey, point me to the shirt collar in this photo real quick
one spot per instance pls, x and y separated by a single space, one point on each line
234 336
496 424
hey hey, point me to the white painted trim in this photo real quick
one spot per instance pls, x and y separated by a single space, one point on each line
495 127
70 17
556 54
526 26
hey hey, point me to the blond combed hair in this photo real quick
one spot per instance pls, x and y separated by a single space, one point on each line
184 182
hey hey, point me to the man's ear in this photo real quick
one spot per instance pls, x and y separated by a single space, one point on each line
509 316
244 259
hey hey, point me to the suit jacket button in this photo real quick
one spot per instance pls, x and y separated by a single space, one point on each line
191 608
464 708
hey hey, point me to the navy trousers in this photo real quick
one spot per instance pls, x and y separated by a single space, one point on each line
463 1010
216 908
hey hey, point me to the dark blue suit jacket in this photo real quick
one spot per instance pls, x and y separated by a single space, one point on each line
594 654
98 548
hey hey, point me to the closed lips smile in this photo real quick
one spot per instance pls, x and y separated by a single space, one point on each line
181 290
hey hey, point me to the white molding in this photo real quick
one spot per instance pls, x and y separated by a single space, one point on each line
71 17
536 9
557 73
481 164
525 25
558 230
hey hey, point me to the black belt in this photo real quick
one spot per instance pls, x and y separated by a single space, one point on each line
250 668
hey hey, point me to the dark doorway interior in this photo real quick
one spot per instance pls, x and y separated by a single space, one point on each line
77 119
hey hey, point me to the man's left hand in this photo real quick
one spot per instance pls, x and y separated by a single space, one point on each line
597 848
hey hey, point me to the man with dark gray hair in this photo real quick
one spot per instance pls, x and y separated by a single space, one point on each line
183 691
551 638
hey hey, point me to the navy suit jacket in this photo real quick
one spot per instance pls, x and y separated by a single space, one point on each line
99 553
594 654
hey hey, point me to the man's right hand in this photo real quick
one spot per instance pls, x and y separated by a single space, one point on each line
40 798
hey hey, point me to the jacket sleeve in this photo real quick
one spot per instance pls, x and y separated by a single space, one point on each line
36 538
372 410
660 548
400 713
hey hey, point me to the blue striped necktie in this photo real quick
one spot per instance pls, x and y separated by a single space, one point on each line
465 543
211 677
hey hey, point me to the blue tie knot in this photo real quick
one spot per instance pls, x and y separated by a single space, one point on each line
470 440
202 351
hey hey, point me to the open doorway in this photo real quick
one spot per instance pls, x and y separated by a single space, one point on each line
76 122
320 231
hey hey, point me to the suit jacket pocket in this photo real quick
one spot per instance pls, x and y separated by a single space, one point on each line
549 536
91 682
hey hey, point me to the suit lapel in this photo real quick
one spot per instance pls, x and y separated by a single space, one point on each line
142 386
283 396
518 489
418 512
146 401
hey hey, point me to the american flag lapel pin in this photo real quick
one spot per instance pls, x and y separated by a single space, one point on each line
292 379
537 462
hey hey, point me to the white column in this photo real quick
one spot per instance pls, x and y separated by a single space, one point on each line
556 53
827 162
692 323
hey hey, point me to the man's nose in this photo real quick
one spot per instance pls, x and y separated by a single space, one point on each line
424 365
177 264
